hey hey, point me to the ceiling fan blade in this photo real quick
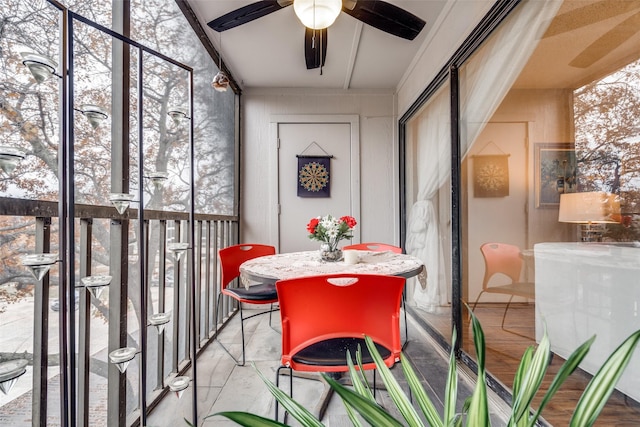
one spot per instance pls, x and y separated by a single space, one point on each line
315 47
386 17
248 13
589 14
607 42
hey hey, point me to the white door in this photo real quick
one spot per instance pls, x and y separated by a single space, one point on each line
320 138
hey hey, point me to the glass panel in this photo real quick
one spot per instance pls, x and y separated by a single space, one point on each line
547 120
29 119
98 11
93 115
428 194
161 26
29 141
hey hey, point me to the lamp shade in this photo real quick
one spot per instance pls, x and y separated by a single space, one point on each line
317 14
589 207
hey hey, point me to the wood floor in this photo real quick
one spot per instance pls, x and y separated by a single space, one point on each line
504 349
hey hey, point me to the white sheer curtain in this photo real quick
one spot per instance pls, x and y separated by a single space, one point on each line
484 81
432 162
488 76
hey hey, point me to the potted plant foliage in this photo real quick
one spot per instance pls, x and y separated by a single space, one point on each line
528 378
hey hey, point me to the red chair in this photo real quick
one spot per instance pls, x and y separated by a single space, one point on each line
382 247
377 247
258 293
323 316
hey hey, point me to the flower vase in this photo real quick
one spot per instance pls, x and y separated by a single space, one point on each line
329 254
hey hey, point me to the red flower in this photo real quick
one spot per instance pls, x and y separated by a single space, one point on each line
351 221
311 227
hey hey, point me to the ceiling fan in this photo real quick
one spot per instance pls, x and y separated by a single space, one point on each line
591 14
377 13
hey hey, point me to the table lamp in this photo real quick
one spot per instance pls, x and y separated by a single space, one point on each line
590 210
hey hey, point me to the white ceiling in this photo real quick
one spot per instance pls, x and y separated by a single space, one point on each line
269 51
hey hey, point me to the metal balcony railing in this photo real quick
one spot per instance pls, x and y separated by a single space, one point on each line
104 244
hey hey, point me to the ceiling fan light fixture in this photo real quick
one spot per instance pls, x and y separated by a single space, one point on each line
317 14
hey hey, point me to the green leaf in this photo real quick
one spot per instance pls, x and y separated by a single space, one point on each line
478 406
249 420
352 415
602 384
565 370
518 380
478 340
370 411
451 389
428 408
358 379
531 380
296 410
523 366
393 388
360 385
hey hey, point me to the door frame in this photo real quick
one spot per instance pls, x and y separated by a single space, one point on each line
274 197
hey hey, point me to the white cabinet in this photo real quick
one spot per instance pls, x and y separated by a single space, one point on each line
584 289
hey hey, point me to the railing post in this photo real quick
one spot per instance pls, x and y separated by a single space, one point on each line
118 293
84 324
162 272
197 286
207 281
177 273
41 330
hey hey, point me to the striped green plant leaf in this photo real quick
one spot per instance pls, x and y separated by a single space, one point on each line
451 389
294 408
523 366
358 379
360 385
531 381
424 402
478 413
602 384
565 370
396 393
370 411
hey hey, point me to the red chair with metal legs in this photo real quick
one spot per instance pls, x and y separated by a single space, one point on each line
382 247
257 293
323 316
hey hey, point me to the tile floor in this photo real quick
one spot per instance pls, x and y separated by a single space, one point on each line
223 386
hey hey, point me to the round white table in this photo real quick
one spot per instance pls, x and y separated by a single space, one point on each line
300 264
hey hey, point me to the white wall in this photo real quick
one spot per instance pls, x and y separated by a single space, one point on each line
550 116
378 112
378 156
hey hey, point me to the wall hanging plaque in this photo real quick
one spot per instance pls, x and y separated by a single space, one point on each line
314 173
491 175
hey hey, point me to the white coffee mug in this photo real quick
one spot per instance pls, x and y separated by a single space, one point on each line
351 257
